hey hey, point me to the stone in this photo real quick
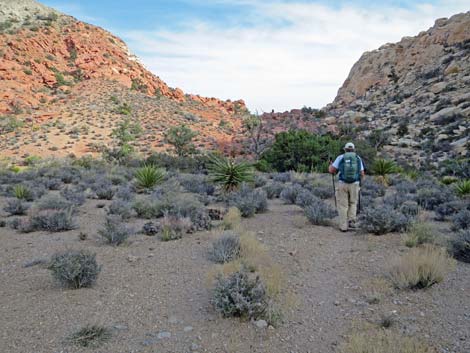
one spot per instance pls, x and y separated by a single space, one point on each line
163 335
188 329
261 324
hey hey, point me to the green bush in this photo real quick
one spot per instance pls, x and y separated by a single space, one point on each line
383 167
301 151
148 176
228 173
21 192
420 233
180 137
462 188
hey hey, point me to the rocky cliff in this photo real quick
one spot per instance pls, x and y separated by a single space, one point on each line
48 58
416 90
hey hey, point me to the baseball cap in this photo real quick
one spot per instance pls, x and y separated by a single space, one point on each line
349 146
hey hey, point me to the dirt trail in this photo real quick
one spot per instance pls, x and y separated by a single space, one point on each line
154 294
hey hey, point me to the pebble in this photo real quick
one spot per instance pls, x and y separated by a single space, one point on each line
163 334
261 324
195 347
132 258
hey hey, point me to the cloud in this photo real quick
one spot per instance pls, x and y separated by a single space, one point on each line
285 54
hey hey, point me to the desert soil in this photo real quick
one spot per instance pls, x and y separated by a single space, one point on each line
155 295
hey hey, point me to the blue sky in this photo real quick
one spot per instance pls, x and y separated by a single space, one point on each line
278 55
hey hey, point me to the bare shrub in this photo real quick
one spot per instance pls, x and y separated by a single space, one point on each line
420 268
382 220
115 231
249 201
319 213
290 193
16 207
121 208
239 294
226 248
460 246
174 226
461 220
273 190
90 336
50 220
75 269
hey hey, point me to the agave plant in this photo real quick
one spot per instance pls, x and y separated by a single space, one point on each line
462 188
381 168
148 176
228 173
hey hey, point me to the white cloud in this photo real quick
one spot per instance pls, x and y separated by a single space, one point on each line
271 66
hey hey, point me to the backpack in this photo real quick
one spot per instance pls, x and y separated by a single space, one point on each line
350 167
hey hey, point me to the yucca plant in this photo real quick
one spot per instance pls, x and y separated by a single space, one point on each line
22 192
148 176
462 188
228 173
381 168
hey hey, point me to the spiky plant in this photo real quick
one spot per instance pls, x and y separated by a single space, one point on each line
462 188
228 173
148 176
21 192
381 168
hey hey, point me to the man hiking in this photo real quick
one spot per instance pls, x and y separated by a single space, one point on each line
351 170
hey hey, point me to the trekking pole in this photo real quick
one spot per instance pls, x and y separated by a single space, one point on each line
359 198
334 190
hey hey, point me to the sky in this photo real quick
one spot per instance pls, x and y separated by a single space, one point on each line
280 55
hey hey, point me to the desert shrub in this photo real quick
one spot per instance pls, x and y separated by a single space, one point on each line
188 164
180 137
16 207
324 192
114 231
420 233
406 187
232 219
447 209
430 198
23 193
410 209
228 173
240 295
148 208
460 246
290 192
382 220
249 201
372 189
196 183
121 208
305 198
50 220
273 190
151 228
75 269
186 205
384 342
319 213
125 193
149 176
449 179
461 220
260 181
396 200
104 189
174 226
462 188
52 183
226 248
282 177
52 202
420 268
90 336
74 195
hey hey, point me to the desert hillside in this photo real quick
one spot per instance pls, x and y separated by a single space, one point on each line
58 71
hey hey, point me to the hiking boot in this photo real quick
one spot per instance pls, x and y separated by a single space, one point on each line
352 224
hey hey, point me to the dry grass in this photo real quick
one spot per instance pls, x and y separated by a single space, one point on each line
232 219
377 289
381 341
420 233
421 267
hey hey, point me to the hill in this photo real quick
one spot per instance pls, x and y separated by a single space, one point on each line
61 77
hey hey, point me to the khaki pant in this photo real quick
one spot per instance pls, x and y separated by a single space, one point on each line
347 196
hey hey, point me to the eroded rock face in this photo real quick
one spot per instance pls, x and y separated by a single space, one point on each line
416 90
40 49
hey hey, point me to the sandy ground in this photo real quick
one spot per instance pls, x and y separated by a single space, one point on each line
154 294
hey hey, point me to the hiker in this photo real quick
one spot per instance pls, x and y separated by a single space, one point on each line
351 171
